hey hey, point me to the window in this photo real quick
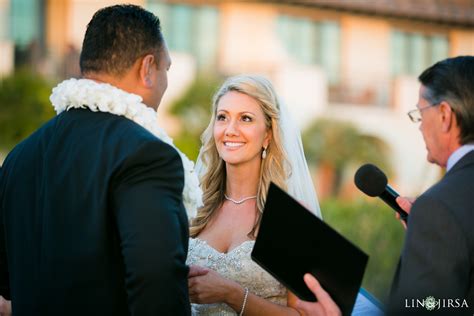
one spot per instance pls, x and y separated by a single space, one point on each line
312 42
190 29
414 52
25 21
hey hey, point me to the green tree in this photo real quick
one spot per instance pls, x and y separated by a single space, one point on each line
373 228
336 145
24 106
193 109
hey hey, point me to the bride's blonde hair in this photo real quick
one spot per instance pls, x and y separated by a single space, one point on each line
275 167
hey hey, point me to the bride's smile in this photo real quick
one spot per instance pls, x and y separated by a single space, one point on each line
240 129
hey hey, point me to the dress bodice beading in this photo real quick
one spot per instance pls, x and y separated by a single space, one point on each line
235 265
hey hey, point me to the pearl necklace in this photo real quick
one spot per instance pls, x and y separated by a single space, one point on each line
241 200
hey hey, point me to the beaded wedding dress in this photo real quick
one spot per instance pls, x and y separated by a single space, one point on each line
238 266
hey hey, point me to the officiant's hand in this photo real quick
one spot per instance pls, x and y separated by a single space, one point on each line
405 203
325 306
5 307
210 287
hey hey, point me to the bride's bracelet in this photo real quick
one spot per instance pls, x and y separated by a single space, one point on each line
245 302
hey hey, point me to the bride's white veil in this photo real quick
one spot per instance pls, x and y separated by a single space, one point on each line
299 184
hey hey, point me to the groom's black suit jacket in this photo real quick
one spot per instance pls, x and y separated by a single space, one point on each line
92 220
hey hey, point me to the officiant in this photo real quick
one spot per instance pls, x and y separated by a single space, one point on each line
437 263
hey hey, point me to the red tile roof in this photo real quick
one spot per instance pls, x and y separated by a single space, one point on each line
452 12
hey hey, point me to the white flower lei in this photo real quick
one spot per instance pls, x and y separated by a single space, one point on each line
103 97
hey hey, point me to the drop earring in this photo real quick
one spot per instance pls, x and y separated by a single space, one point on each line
264 153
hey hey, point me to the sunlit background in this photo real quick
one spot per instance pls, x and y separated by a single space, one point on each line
346 69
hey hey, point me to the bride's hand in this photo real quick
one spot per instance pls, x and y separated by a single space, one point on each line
210 288
195 271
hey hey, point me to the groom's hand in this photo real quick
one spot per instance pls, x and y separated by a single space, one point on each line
195 271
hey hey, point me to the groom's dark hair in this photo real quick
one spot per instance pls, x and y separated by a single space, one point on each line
117 36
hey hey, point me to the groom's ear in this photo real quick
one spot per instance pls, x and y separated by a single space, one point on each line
147 69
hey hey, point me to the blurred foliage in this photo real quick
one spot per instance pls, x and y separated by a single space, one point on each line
193 109
24 106
338 145
189 144
374 229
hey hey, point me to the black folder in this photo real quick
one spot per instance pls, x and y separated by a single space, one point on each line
292 241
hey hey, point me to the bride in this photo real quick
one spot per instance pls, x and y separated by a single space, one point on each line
249 142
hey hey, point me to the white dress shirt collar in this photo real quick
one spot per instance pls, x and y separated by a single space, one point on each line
458 154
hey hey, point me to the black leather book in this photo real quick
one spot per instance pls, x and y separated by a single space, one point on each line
293 241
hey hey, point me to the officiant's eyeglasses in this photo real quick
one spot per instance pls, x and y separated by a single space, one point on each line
415 115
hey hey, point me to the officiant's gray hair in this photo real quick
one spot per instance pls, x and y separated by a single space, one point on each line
275 167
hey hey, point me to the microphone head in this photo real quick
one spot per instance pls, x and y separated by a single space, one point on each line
370 180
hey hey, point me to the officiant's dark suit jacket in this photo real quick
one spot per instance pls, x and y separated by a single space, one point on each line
92 220
438 256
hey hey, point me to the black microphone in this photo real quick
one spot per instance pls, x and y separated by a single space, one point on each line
373 182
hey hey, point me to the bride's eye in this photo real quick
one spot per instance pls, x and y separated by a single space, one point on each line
220 117
246 118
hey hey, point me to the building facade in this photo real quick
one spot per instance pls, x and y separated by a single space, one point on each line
354 61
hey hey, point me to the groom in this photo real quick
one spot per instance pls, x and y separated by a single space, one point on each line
91 214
